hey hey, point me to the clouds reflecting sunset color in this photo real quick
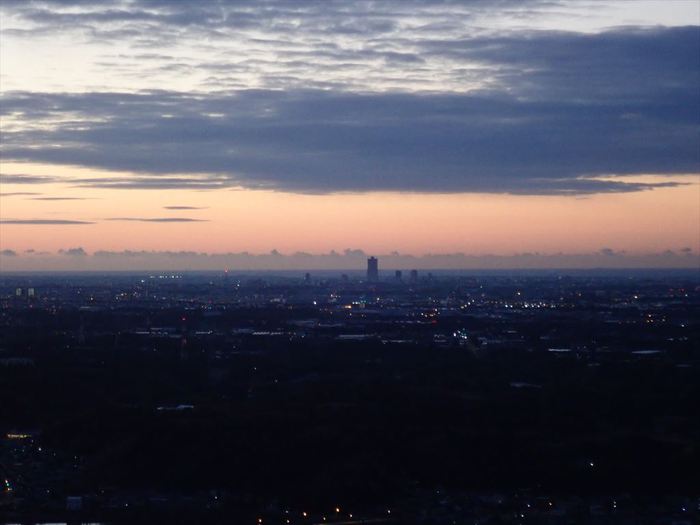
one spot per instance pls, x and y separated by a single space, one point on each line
418 127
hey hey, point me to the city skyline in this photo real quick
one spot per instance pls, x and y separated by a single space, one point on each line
150 134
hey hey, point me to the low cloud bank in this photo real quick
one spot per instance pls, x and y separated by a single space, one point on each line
77 259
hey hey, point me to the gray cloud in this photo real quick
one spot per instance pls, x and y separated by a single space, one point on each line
74 252
27 179
45 222
430 45
18 193
329 16
8 253
184 207
395 95
348 259
321 142
210 182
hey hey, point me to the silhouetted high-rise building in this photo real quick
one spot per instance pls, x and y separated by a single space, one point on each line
372 269
398 275
414 276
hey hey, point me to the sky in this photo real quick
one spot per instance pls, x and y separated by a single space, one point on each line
146 134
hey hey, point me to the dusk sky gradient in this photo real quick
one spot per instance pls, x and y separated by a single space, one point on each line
145 134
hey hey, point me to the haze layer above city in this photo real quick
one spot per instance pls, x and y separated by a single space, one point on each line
147 134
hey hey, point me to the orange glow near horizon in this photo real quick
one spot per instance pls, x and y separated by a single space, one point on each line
259 221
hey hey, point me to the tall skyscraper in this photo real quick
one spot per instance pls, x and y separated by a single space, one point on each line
372 269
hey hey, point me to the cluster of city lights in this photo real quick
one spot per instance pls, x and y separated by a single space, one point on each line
17 435
305 516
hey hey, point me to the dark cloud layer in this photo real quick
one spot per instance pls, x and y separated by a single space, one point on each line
346 260
74 252
26 179
43 222
329 16
555 111
209 182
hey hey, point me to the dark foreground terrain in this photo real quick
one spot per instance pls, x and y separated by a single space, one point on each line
538 398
